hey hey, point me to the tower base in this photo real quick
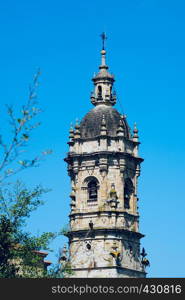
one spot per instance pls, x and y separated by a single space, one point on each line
107 272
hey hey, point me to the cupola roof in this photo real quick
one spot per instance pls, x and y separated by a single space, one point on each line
90 125
103 98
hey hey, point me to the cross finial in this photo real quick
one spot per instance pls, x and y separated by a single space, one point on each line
104 37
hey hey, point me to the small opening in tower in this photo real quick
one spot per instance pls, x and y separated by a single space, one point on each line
128 190
92 190
99 91
130 249
88 246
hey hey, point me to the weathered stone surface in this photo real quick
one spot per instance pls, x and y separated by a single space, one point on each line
104 166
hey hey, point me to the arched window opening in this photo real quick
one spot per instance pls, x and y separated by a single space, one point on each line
99 91
92 190
128 190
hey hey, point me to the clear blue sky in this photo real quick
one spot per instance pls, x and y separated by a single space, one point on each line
146 52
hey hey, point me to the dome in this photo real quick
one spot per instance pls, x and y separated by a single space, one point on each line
103 74
91 124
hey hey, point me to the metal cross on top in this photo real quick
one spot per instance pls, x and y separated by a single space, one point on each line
104 37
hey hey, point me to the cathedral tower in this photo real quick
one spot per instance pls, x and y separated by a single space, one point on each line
104 166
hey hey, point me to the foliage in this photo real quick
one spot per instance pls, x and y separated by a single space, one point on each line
21 127
61 269
17 203
7 231
19 250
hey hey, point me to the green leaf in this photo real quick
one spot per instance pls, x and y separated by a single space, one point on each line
25 136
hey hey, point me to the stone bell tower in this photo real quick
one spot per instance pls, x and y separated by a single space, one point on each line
104 166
